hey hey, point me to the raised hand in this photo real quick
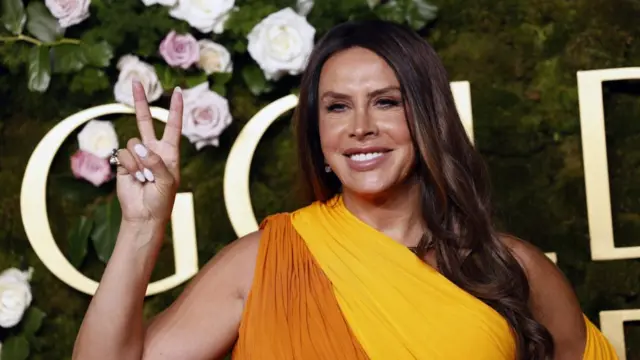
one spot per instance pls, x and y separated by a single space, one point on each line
149 171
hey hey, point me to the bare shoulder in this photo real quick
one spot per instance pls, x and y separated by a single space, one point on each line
237 262
203 322
552 299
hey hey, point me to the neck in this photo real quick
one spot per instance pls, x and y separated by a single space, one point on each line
396 213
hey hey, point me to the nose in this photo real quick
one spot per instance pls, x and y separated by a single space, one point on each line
363 125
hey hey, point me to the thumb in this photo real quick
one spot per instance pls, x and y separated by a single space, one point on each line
154 168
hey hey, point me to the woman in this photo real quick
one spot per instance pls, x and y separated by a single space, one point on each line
395 258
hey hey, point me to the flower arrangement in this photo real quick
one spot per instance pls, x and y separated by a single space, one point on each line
198 56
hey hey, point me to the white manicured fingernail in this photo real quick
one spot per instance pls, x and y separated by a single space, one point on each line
139 176
140 150
148 174
178 90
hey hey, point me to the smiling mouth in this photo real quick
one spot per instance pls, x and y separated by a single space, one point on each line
365 159
365 156
366 153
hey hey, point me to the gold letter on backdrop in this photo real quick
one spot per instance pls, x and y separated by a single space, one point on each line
612 326
596 177
33 207
596 169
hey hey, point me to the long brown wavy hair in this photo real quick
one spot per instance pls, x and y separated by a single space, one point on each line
453 177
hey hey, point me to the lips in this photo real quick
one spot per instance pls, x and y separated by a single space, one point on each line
366 158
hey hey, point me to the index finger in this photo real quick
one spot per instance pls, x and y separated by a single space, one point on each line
173 130
143 115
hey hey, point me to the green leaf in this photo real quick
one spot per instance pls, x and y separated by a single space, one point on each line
391 11
32 321
15 348
415 13
71 57
241 22
219 81
220 89
89 81
421 13
222 78
41 23
373 3
70 189
68 58
39 69
98 54
13 16
79 239
240 47
194 80
167 76
255 80
105 231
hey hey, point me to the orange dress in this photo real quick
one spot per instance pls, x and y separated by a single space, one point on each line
328 286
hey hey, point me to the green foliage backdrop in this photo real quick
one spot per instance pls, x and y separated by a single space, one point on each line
520 56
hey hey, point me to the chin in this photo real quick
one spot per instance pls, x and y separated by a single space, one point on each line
374 184
368 188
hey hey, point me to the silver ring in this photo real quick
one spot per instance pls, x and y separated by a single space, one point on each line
113 160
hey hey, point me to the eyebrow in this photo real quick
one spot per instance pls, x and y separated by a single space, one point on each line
371 94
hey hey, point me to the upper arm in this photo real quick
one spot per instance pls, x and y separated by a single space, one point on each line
552 300
203 322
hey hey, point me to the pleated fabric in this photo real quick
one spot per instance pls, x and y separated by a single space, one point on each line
291 311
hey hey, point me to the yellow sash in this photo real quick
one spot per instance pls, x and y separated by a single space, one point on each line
397 306
597 346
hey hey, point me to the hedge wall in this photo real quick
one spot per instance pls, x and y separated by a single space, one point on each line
521 58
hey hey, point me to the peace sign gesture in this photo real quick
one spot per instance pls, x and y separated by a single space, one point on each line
148 174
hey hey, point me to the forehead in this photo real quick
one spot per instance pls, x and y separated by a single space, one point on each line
356 69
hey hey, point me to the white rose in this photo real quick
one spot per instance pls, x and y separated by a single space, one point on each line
15 296
304 7
98 138
204 15
206 115
214 58
160 2
132 68
69 12
281 43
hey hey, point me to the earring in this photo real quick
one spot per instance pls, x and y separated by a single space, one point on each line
327 168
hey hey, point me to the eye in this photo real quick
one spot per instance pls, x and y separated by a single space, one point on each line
337 107
386 103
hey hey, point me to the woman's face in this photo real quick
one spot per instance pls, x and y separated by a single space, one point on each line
364 134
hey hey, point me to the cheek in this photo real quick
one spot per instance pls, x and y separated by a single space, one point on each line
394 125
329 137
397 129
410 150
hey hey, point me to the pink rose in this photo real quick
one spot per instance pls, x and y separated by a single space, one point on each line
95 170
69 12
206 115
180 50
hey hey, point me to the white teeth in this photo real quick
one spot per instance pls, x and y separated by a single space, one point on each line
365 157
